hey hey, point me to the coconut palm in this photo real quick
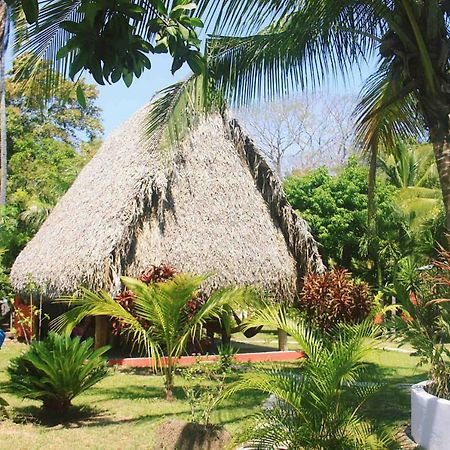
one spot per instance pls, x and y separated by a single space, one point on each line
162 323
293 44
316 407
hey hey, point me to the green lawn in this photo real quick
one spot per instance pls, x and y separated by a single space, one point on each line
127 406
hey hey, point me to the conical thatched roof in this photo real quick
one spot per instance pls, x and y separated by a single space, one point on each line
216 207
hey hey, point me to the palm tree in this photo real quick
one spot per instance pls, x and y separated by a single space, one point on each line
318 406
162 324
4 35
412 169
307 40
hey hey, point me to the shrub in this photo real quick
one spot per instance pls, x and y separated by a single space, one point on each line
56 370
423 320
205 383
335 297
227 355
318 406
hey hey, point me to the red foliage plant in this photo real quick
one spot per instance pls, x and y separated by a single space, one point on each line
153 274
443 266
333 297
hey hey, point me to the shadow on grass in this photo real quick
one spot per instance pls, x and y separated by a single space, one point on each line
76 416
389 408
126 393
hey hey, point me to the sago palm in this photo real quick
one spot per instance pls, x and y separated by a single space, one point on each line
316 406
287 45
162 324
56 370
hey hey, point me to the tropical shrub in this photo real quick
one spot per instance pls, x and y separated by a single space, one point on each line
422 319
56 370
153 274
161 323
318 405
334 297
205 383
226 356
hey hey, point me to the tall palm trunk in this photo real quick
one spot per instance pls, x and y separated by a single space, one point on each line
3 147
372 212
440 138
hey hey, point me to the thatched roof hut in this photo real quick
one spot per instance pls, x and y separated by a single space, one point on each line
216 206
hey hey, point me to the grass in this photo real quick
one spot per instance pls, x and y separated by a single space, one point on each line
123 410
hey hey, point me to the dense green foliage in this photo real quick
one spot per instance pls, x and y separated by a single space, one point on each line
335 206
49 141
111 40
319 406
56 370
161 321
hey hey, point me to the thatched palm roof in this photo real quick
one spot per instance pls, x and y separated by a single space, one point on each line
216 206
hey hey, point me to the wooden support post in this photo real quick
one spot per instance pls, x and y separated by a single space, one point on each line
101 331
282 340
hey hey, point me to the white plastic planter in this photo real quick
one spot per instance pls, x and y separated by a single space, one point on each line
430 419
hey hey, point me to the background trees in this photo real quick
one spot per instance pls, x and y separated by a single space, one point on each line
335 206
293 134
49 141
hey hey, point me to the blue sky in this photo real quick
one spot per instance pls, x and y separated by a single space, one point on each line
119 102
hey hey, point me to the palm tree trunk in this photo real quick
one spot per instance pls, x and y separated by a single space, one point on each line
3 147
371 204
371 212
168 379
440 138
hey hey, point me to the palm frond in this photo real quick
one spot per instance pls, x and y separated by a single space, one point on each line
249 16
87 303
243 16
42 41
273 315
178 107
297 51
318 405
387 112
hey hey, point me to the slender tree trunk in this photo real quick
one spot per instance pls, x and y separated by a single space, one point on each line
371 203
440 138
282 340
168 379
3 147
371 212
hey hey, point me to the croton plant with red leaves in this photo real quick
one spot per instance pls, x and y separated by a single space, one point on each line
335 297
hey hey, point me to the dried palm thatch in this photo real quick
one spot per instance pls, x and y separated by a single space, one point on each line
215 206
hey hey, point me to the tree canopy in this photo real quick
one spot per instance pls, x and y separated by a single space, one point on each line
49 141
335 206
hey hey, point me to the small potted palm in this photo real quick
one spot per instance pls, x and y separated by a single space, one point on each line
423 322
